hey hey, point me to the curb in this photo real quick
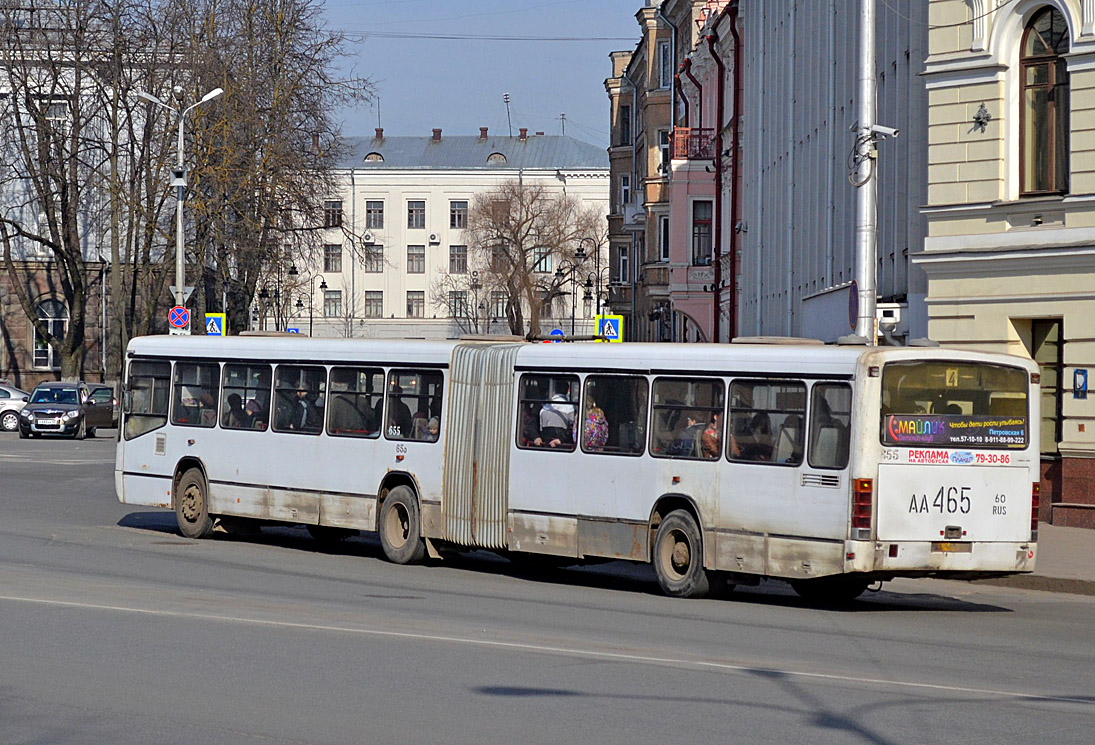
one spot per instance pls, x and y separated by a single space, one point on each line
1042 584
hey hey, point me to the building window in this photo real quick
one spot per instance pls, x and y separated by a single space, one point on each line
373 307
332 213
624 266
625 191
416 259
625 125
374 214
458 303
332 303
665 67
1044 109
498 303
663 147
332 258
496 158
416 304
54 316
458 215
701 232
663 239
373 260
458 259
374 158
541 258
416 213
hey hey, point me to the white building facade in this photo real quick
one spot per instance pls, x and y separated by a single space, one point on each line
395 247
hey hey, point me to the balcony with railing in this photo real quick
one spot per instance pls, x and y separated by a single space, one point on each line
693 143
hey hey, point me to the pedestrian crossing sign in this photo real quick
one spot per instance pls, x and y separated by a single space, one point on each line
609 328
214 324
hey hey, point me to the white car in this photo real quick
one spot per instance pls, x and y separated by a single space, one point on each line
12 401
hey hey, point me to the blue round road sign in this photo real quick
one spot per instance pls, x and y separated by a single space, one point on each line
557 335
178 317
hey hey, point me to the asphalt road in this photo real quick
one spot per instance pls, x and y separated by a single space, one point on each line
113 629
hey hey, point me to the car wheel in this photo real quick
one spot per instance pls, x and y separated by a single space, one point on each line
81 431
9 421
678 557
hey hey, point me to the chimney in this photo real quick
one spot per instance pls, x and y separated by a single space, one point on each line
539 134
482 133
380 133
437 135
524 133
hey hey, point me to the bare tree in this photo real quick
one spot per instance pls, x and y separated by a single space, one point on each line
516 233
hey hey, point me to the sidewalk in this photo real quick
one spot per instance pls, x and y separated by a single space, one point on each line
1065 563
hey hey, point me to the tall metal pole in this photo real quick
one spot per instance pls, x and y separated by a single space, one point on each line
866 228
180 197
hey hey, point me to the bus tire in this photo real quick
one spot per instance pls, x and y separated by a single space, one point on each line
192 505
836 590
678 557
401 527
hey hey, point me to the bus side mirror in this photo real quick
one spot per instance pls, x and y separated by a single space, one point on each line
127 401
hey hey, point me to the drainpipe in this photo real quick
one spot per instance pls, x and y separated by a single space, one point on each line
717 249
634 262
680 94
687 67
736 185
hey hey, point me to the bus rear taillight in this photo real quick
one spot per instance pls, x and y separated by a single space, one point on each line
1035 491
862 499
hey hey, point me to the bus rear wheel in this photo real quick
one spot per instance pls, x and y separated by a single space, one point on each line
836 590
192 505
678 557
401 527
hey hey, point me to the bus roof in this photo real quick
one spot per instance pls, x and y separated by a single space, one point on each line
817 360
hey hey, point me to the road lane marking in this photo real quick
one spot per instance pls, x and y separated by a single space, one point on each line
570 652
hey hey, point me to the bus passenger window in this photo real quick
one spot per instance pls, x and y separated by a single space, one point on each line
196 388
245 398
299 395
548 412
356 401
766 421
414 405
148 391
622 401
687 418
830 425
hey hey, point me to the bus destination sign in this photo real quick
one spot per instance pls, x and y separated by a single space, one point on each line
968 431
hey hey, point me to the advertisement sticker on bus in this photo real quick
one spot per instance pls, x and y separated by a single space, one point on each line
971 431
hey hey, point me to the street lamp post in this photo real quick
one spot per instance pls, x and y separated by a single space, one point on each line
179 180
596 251
311 295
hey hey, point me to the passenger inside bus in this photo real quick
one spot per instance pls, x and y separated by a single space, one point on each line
594 426
557 422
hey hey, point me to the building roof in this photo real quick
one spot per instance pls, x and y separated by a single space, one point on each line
472 152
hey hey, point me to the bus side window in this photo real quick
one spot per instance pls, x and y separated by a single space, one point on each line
766 421
149 391
299 398
687 420
197 386
414 405
245 398
622 400
547 415
830 425
356 396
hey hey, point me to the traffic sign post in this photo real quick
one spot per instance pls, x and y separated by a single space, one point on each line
215 324
178 319
609 327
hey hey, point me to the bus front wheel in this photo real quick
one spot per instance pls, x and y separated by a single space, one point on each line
401 527
192 505
678 557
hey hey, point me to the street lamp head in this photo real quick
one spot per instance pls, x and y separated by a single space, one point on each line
300 303
322 284
211 95
580 254
293 270
177 91
149 97
264 295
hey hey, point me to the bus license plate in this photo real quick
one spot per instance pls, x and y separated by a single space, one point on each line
948 547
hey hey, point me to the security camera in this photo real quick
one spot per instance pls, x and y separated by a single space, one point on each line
884 132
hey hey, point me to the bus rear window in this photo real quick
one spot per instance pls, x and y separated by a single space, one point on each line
954 404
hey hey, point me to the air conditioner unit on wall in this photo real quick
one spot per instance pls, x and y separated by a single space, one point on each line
435 238
368 238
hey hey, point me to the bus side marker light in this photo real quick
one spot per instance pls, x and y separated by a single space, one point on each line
399 457
676 479
850 555
893 550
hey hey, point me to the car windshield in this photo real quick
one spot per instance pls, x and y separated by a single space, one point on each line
55 396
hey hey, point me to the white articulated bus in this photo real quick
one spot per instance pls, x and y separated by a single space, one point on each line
830 467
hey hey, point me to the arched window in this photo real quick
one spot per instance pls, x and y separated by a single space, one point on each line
54 316
1043 114
496 158
374 158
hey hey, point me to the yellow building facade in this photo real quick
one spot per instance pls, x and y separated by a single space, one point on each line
1010 246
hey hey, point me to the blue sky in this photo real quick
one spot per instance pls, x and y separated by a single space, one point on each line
457 84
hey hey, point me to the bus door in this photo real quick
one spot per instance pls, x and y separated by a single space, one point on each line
474 492
957 462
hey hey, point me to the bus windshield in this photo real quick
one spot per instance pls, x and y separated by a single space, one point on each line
954 404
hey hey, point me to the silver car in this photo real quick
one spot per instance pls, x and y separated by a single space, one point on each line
12 401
